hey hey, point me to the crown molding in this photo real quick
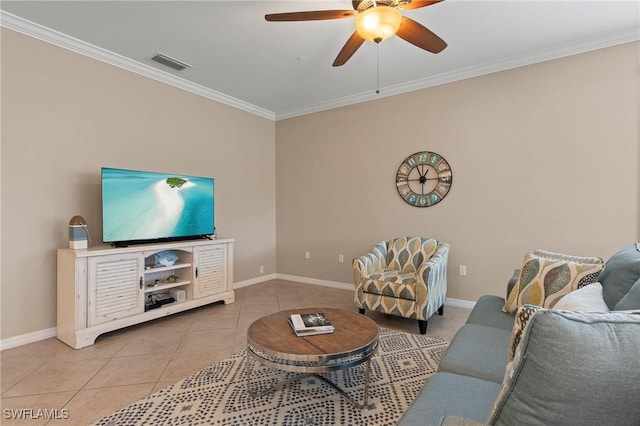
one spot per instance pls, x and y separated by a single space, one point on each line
48 35
73 44
470 72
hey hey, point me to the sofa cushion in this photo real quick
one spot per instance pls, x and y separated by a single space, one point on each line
622 270
586 299
546 277
447 394
477 351
488 311
573 368
409 253
631 300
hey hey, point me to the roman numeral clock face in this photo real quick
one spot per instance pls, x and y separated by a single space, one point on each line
424 179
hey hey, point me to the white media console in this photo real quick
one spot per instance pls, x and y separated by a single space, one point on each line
104 289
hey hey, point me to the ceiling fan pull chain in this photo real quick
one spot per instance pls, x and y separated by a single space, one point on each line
377 68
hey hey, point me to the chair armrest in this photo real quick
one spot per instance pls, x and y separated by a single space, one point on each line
375 260
435 268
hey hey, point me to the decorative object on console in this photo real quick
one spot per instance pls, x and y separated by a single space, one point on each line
406 277
424 179
165 258
78 233
546 277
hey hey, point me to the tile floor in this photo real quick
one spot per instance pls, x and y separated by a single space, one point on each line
127 365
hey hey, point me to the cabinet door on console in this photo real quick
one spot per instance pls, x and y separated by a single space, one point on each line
210 270
115 287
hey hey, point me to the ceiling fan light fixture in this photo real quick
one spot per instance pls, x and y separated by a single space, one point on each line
378 23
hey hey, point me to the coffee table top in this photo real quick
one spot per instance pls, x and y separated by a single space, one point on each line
354 333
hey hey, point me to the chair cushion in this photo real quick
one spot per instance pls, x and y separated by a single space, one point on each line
407 254
391 283
573 368
621 271
546 277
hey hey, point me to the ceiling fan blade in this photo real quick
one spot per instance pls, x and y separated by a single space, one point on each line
420 36
349 48
316 15
417 4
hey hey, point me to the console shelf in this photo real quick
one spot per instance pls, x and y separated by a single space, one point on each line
102 289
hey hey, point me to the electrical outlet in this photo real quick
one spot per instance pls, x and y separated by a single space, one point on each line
261 269
462 270
340 258
307 255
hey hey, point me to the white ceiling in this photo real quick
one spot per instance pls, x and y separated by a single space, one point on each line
283 69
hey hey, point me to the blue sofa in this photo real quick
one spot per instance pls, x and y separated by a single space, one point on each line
569 367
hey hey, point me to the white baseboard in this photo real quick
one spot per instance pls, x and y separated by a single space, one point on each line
253 281
13 342
325 283
36 336
459 303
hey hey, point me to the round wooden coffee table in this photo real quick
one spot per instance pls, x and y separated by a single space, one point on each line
272 342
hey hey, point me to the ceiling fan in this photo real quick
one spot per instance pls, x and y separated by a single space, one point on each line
376 20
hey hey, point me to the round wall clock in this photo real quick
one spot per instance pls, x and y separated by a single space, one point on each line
424 179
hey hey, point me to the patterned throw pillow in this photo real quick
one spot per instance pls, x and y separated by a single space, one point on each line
546 277
523 314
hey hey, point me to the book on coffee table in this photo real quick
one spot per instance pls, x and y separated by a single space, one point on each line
310 324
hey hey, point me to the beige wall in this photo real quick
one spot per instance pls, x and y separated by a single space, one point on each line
544 156
64 116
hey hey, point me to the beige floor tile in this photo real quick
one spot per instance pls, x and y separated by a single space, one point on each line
90 405
57 376
14 370
185 365
126 365
155 342
35 409
202 341
129 370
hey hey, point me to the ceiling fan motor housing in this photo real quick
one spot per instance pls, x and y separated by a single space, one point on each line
363 5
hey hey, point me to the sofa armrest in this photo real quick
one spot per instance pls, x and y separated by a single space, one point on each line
512 281
459 421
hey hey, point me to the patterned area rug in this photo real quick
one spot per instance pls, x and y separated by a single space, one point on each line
218 394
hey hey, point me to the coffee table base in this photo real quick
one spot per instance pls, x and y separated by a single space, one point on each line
258 393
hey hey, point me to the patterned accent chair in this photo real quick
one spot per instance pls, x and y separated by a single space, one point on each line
406 277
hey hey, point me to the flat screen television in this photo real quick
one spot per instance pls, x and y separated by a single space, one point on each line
142 207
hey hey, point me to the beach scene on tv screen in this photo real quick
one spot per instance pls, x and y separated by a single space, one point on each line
140 205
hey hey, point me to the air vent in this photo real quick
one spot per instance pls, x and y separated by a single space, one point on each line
170 62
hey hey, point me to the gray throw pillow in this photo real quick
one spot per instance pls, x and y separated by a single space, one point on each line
631 300
621 271
573 368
